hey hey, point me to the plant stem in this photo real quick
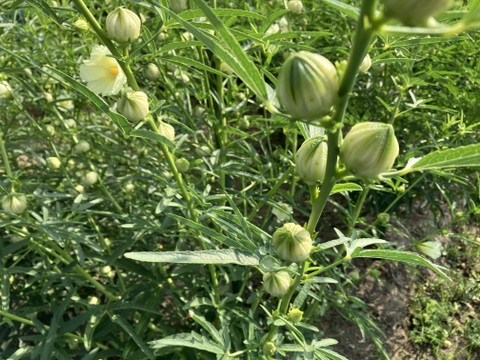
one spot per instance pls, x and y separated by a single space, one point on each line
8 169
358 209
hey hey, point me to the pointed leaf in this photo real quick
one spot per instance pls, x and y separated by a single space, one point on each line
192 340
464 156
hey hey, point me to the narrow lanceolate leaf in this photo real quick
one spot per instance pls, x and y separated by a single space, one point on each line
147 134
463 156
227 256
125 325
192 340
348 10
228 49
406 257
96 100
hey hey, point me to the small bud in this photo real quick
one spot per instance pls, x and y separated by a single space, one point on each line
383 219
80 189
70 123
53 163
81 26
414 12
366 63
90 178
48 96
295 6
307 85
269 349
123 25
292 243
295 315
5 90
166 130
14 203
82 147
177 6
134 105
225 68
276 283
369 149
152 72
203 151
311 159
129 187
182 165
50 130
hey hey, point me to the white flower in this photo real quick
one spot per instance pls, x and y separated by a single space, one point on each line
102 73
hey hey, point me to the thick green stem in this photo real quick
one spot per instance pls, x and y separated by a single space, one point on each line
6 162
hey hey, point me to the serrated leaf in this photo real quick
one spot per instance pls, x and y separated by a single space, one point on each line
131 332
348 10
464 156
226 256
208 327
406 257
192 340
96 100
345 187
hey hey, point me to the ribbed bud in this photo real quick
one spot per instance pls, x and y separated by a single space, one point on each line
276 283
414 12
90 178
14 203
81 26
311 159
53 163
182 165
369 149
295 315
177 6
166 130
295 6
123 25
152 72
82 147
307 85
292 243
134 105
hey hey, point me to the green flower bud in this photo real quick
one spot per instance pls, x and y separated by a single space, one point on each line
269 349
81 26
82 147
276 283
90 178
383 219
14 203
123 25
311 159
53 163
134 105
295 315
307 85
182 165
369 149
177 6
414 12
366 63
152 72
5 90
295 6
166 130
292 243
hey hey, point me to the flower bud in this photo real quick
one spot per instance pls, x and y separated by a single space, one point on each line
123 25
81 26
414 12
50 130
307 85
134 105
90 178
269 349
166 130
177 6
82 147
80 189
5 90
14 203
292 243
369 149
152 72
276 283
70 123
53 163
182 165
366 63
311 159
295 315
295 6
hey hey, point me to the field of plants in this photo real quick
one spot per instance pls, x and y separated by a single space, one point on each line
284 179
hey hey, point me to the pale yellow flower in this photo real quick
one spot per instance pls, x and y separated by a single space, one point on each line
102 73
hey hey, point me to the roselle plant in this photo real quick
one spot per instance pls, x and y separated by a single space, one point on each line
232 283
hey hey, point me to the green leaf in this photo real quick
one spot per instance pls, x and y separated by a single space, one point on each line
229 51
192 340
348 10
345 187
226 256
463 156
47 10
208 327
131 332
118 119
147 134
406 257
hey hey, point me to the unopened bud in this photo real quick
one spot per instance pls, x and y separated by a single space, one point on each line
81 26
53 163
14 203
295 6
307 85
182 165
269 349
90 178
5 90
177 6
152 72
82 147
311 159
134 105
276 283
292 243
369 149
166 130
295 315
123 25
